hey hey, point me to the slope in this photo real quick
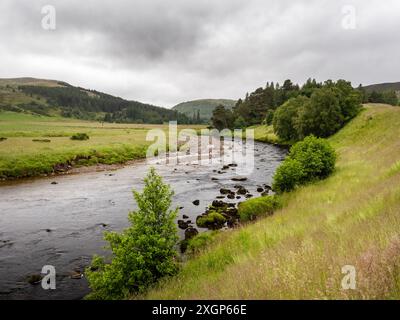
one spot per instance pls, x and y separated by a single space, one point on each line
351 218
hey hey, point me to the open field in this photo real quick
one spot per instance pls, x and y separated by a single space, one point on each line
351 218
109 143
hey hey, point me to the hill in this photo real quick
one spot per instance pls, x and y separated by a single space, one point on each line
351 218
51 97
382 87
204 106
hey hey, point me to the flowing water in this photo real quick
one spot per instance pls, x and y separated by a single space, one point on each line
62 224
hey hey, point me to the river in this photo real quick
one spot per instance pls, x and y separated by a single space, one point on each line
62 224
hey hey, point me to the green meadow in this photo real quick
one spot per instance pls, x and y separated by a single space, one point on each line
32 145
351 218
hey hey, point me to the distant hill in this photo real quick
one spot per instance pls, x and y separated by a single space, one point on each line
52 97
381 87
205 106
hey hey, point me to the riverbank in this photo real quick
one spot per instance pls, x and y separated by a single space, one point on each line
351 218
33 146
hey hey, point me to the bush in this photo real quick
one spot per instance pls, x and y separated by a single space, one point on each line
316 156
80 136
288 175
212 220
201 241
143 253
254 208
308 160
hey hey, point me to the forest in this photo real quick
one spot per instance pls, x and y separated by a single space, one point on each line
80 103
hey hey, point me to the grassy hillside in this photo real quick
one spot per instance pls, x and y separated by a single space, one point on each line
351 218
381 87
50 97
205 106
31 145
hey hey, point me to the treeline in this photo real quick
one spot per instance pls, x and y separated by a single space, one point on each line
387 96
82 104
315 108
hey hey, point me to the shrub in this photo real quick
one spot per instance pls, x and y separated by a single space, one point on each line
253 208
3 139
80 136
316 156
143 253
288 175
212 220
308 160
201 241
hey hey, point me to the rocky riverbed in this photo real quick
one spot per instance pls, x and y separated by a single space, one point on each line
60 220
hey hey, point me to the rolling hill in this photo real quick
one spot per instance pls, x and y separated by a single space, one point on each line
381 87
204 106
57 98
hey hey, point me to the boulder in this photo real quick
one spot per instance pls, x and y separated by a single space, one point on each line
196 202
239 179
190 233
34 279
218 204
182 224
242 191
224 191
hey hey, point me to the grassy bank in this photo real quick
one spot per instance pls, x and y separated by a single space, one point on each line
351 218
34 145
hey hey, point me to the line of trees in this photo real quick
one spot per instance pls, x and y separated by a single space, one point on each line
387 96
314 108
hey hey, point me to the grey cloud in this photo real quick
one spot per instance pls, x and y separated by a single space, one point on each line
165 52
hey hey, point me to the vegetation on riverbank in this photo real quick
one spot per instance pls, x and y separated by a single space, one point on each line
142 253
350 218
109 143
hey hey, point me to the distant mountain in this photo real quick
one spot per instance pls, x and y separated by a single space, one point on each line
52 97
204 106
382 87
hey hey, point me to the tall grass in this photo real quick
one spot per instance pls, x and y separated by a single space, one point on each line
351 218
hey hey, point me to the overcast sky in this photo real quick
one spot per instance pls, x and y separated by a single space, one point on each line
165 52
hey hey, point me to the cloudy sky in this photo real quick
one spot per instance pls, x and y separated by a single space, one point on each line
165 52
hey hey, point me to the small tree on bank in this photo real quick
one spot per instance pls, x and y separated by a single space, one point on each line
143 253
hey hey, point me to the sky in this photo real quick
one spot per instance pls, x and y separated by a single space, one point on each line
165 52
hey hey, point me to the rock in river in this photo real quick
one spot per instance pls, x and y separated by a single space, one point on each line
239 179
196 202
190 233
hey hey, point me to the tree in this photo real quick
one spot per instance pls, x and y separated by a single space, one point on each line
239 123
144 252
285 118
390 97
222 118
321 117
